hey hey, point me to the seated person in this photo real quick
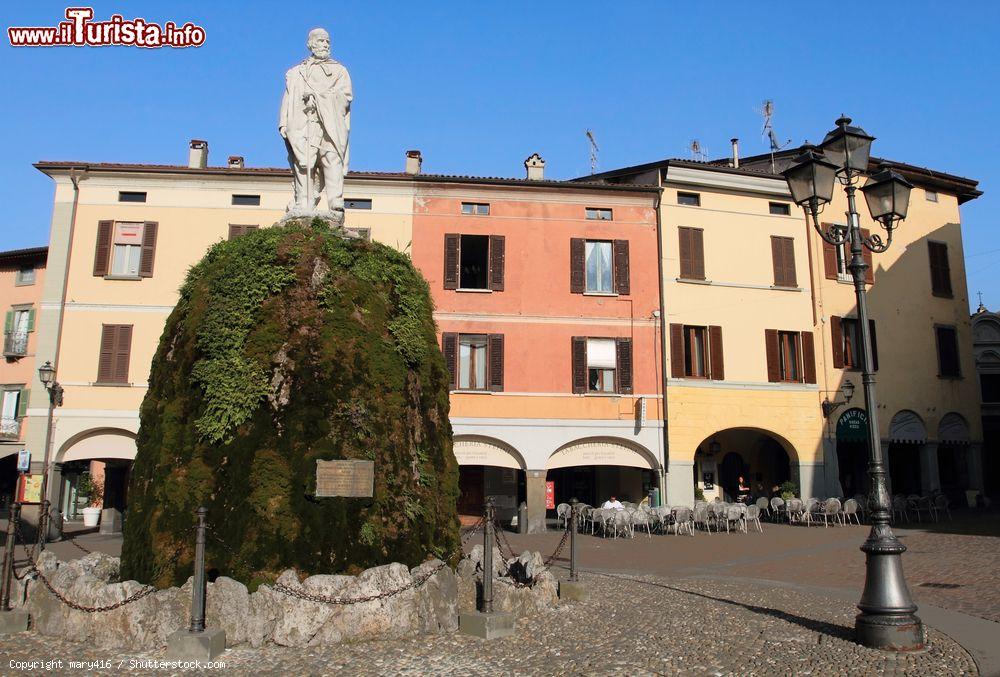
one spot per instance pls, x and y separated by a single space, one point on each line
613 503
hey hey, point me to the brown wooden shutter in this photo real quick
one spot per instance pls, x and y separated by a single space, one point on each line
123 351
940 270
106 357
783 261
837 342
452 244
684 251
829 256
449 348
677 351
871 332
771 350
497 259
808 357
148 249
697 254
577 265
716 370
579 356
235 231
620 249
866 254
102 250
623 363
496 362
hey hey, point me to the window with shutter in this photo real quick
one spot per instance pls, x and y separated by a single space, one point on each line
577 265
621 273
717 370
789 365
473 362
235 229
866 254
772 352
947 348
449 348
837 342
600 267
602 365
830 267
783 261
696 358
115 353
692 253
940 269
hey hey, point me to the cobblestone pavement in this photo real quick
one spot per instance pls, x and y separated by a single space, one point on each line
637 626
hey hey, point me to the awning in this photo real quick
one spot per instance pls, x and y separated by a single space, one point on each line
600 452
907 428
484 452
953 430
101 446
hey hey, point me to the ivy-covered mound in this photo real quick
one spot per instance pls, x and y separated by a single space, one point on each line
288 345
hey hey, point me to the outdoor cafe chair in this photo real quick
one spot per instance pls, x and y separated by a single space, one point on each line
762 505
683 520
913 504
734 517
851 511
829 511
794 508
941 505
562 513
641 518
702 518
622 523
777 508
899 507
753 516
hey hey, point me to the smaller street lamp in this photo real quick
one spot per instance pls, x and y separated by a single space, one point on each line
830 406
47 375
888 197
849 148
810 179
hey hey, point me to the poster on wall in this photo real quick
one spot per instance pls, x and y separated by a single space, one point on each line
550 495
709 479
29 489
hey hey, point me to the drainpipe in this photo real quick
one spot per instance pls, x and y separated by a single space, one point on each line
663 345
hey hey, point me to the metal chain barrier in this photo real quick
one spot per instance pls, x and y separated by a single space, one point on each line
503 543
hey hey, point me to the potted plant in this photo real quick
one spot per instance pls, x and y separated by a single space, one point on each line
788 490
95 500
699 494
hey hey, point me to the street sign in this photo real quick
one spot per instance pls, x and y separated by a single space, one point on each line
550 495
23 460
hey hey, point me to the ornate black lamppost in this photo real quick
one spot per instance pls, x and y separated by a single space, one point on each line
47 375
888 615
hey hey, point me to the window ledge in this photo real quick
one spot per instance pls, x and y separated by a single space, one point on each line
692 280
100 384
951 377
600 293
601 394
475 291
471 392
24 284
132 278
777 287
943 296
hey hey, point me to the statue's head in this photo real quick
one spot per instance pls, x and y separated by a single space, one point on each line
318 43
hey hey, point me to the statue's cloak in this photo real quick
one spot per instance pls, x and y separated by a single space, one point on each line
330 84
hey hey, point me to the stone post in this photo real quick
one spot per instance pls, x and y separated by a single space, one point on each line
573 588
535 485
10 621
487 624
489 538
195 642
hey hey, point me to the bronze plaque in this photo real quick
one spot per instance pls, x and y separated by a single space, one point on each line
355 479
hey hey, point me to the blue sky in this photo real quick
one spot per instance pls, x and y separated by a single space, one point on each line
479 86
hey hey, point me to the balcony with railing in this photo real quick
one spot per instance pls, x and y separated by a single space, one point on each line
10 428
15 344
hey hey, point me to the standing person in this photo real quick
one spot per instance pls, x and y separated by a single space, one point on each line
742 490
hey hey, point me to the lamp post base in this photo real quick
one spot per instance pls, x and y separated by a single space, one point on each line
889 632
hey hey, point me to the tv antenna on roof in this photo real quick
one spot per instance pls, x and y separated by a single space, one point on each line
698 152
767 110
593 151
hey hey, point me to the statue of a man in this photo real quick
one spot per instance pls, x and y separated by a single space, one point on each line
315 121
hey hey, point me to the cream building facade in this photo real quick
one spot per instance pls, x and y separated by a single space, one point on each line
759 327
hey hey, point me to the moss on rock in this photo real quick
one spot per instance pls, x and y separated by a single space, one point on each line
290 345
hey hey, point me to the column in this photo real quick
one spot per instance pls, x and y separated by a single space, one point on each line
679 483
930 478
974 459
535 488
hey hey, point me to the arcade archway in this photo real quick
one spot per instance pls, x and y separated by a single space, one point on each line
761 457
488 467
594 469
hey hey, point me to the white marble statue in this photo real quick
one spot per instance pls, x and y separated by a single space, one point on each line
315 122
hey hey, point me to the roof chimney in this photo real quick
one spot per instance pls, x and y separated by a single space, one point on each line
413 161
198 155
736 152
535 166
236 162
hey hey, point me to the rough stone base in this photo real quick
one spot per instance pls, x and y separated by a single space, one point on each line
486 626
575 591
185 645
13 621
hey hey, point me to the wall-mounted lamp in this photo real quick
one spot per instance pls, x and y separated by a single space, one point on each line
830 406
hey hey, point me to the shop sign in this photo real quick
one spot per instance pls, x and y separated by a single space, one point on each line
550 495
853 426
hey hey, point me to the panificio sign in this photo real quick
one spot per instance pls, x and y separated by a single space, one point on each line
351 478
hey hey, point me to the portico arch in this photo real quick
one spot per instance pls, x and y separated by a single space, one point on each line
907 469
107 455
592 469
488 467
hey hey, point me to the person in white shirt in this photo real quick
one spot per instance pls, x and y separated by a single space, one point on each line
613 503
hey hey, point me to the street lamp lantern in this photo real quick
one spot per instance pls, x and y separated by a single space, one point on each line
810 178
848 147
46 374
888 196
848 390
